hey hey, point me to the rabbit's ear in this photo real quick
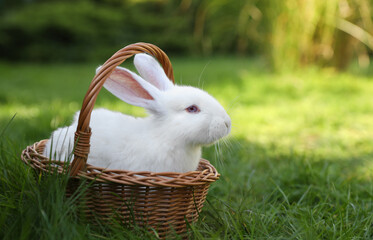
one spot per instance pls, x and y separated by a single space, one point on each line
131 88
152 71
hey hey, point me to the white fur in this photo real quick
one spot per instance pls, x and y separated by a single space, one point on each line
169 139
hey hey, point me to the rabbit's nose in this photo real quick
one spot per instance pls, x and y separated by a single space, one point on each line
227 123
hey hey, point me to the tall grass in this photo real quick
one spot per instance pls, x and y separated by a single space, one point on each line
301 32
290 33
329 33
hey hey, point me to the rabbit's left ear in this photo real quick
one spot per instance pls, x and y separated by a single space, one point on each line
132 89
152 71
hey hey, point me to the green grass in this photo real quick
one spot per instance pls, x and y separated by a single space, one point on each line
298 165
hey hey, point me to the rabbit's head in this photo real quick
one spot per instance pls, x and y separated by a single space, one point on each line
187 112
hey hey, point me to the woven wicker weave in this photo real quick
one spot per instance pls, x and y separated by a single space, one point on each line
163 201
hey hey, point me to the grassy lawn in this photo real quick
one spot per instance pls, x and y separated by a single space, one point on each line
298 164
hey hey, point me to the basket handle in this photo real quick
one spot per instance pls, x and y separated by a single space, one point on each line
83 131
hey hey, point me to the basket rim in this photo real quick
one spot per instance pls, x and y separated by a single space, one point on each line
206 173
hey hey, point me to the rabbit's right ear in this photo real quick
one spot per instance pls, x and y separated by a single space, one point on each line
151 71
131 88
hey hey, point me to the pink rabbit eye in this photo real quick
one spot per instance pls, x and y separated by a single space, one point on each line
192 109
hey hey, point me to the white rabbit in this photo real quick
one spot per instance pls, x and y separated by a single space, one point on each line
181 120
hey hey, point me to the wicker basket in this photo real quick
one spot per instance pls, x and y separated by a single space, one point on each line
165 202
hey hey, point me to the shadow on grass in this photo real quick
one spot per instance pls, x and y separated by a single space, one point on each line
266 193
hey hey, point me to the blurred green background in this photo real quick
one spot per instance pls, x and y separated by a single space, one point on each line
286 33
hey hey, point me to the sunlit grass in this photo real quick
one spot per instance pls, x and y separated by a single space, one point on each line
298 163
